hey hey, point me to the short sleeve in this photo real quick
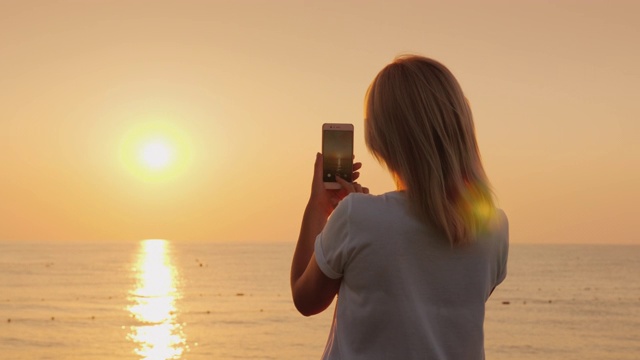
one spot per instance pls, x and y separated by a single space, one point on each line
331 247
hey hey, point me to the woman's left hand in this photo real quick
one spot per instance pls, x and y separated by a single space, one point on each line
329 199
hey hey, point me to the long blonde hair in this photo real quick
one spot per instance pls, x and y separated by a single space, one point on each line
419 125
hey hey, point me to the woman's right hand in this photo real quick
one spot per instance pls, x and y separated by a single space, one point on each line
351 187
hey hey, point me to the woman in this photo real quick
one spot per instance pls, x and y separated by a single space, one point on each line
413 267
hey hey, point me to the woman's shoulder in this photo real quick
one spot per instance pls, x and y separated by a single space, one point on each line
497 228
385 199
383 206
501 219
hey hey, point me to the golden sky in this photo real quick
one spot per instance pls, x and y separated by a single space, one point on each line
240 89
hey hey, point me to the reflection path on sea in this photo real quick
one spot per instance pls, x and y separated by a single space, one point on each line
156 333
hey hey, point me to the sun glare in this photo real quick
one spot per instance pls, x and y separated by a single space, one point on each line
156 331
155 151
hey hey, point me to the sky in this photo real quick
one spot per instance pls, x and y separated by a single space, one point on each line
239 91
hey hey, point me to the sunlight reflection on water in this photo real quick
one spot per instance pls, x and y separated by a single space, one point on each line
157 335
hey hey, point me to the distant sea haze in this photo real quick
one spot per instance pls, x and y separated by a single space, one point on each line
159 299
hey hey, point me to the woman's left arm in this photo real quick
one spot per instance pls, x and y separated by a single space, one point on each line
311 289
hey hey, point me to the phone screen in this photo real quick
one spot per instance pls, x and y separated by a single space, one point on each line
337 151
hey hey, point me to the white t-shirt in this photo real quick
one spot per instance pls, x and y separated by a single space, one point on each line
406 293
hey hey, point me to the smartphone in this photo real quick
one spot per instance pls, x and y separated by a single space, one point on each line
337 153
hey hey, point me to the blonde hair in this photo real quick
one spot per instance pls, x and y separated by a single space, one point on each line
419 125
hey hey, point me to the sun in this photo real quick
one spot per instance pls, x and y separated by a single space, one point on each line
155 151
156 154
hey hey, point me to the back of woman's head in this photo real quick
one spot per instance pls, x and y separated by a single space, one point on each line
419 124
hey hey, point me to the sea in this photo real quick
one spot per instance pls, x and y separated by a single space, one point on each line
162 299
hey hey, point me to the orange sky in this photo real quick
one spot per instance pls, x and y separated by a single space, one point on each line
553 86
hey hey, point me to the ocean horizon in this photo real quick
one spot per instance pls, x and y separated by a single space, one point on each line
160 299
